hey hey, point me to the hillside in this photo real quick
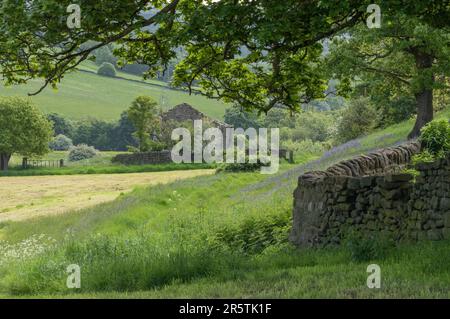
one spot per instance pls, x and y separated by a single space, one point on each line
215 236
86 94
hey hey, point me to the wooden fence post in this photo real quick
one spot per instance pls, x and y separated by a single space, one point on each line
291 156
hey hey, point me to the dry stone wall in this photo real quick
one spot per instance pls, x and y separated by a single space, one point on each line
156 157
369 194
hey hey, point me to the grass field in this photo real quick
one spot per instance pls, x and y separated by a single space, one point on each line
90 66
223 235
30 197
83 94
100 164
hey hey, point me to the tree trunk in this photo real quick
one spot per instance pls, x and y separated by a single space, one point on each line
424 99
4 161
424 102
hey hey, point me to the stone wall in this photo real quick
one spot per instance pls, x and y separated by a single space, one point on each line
156 157
369 194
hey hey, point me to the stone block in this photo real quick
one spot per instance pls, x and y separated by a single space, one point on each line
447 219
419 204
367 181
434 234
399 178
353 183
446 233
445 204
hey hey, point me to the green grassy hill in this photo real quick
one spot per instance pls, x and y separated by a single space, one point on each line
215 236
86 94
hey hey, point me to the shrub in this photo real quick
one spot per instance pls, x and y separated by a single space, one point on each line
60 143
244 167
107 69
423 157
358 119
81 152
435 137
241 167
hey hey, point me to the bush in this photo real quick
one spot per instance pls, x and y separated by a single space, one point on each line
435 137
60 143
107 69
358 119
241 167
423 157
81 152
244 167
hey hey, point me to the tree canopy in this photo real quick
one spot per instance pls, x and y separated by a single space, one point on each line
144 115
403 58
23 130
256 53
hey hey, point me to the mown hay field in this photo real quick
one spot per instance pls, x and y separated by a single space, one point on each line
33 196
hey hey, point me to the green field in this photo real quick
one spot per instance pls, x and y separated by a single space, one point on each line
223 235
86 94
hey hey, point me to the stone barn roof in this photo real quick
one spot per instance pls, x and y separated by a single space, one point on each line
185 112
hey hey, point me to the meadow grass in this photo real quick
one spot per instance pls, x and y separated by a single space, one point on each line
216 236
83 95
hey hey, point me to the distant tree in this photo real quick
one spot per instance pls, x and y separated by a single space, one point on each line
313 125
95 132
122 134
23 130
107 69
61 125
357 119
135 68
239 118
278 117
60 143
143 113
103 55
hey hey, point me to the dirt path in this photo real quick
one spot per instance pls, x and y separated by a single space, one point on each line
26 197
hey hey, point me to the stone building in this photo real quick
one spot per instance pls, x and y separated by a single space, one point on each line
185 112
